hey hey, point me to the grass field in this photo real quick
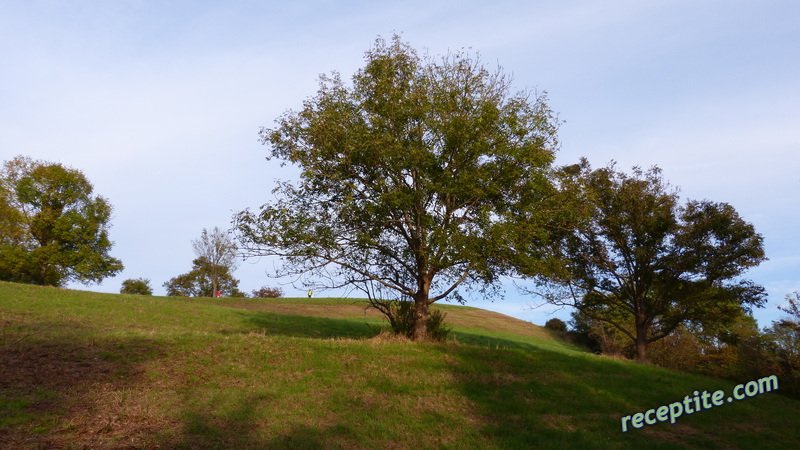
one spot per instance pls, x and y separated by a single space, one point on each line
89 370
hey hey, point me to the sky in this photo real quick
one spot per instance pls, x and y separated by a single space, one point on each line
159 104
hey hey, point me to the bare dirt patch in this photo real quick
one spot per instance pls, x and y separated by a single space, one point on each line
84 392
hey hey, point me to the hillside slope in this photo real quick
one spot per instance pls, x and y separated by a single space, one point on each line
80 369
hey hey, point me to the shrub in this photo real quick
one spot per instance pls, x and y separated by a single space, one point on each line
140 286
556 324
268 292
400 314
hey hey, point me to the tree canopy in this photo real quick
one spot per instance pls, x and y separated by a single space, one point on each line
408 177
640 261
52 229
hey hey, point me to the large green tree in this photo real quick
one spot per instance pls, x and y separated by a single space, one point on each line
407 177
52 229
644 263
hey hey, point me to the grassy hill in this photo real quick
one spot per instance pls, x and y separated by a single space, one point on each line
81 369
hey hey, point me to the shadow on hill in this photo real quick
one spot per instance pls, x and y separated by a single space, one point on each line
242 428
54 377
528 399
310 326
551 399
478 340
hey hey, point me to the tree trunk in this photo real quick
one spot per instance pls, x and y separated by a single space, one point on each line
420 319
421 311
641 343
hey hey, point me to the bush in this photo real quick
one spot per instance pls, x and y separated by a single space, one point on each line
556 324
268 292
400 314
139 286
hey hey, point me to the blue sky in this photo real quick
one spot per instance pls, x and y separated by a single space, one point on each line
159 103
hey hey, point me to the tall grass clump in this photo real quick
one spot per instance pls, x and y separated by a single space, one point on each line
400 315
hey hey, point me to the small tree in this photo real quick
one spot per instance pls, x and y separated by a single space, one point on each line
217 255
140 286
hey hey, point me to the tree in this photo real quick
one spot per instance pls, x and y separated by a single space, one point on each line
407 176
217 253
556 324
201 281
641 262
140 286
52 230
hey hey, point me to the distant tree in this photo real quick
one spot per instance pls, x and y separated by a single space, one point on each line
642 263
784 345
204 280
218 253
268 292
185 285
52 229
736 351
792 308
140 286
408 178
556 324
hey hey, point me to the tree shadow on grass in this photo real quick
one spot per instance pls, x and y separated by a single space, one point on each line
550 399
310 326
241 427
477 340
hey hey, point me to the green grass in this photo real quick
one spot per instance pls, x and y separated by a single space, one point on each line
81 369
